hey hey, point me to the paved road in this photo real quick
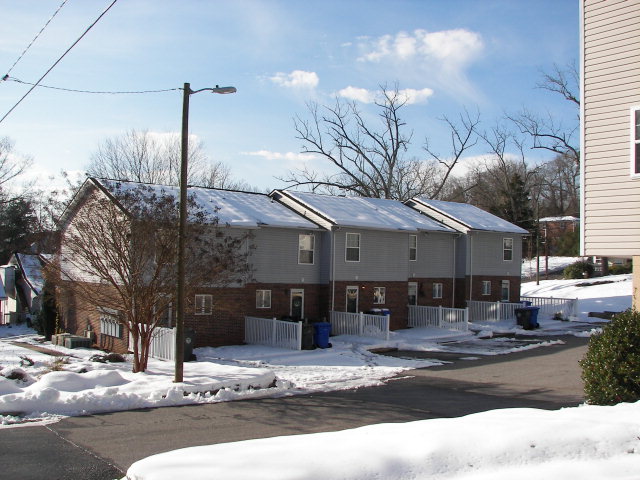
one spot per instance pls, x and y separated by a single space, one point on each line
103 446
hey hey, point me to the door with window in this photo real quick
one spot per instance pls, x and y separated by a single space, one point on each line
297 303
352 299
413 293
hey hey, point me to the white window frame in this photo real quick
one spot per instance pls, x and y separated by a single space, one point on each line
437 290
634 141
486 287
347 247
200 306
505 286
110 324
379 295
413 248
263 299
301 238
506 249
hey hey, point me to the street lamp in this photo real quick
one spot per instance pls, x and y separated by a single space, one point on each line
179 350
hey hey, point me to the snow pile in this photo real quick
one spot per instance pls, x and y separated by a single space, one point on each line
586 442
556 264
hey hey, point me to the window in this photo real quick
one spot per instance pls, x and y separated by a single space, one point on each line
378 295
352 299
352 252
507 249
204 305
306 245
166 317
413 293
110 324
504 290
635 140
437 290
263 298
486 287
413 247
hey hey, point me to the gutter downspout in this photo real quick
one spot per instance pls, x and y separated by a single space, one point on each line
453 296
470 266
333 267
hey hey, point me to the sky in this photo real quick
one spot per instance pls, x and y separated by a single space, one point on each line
446 56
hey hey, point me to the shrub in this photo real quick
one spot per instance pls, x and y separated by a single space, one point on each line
611 367
620 269
578 270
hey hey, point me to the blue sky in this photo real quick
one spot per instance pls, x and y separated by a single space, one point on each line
483 55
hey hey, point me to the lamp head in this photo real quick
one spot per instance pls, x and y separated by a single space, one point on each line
223 90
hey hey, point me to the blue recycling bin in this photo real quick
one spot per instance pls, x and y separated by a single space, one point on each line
534 316
322 330
526 303
527 317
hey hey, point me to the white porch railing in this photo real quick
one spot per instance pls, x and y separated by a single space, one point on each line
360 324
439 317
491 311
272 332
163 343
566 307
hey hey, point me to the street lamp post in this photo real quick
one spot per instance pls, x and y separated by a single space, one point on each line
184 160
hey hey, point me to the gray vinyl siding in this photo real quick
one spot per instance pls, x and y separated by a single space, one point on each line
435 256
275 258
487 255
611 86
384 256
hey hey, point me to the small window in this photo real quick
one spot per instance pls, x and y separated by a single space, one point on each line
504 290
378 295
413 248
306 245
486 287
110 324
507 249
437 290
635 140
203 305
263 298
352 253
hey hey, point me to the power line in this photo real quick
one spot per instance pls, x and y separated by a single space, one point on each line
36 37
59 60
13 79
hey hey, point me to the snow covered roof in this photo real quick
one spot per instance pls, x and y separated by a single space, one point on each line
559 219
236 209
469 216
31 267
359 212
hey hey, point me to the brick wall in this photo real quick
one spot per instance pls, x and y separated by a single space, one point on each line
462 289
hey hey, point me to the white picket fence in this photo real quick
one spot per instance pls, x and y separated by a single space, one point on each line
360 324
492 311
565 307
163 343
439 317
272 332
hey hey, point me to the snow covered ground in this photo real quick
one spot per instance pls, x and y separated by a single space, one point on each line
529 267
596 442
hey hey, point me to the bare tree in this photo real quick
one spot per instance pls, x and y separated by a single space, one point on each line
140 156
546 132
369 160
12 165
120 253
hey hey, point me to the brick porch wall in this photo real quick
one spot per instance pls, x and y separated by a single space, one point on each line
462 289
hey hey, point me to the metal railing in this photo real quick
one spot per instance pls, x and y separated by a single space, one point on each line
439 317
360 324
272 332
564 307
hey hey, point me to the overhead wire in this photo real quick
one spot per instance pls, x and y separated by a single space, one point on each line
57 61
126 92
36 37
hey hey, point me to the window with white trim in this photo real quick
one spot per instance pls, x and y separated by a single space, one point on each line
203 304
379 295
263 298
110 324
486 287
635 140
507 249
437 290
504 290
413 248
352 247
306 245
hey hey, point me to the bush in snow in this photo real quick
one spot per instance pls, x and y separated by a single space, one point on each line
611 367
578 270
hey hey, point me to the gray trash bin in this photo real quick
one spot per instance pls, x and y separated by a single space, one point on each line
189 340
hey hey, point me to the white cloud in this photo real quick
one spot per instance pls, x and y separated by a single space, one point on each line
298 79
358 94
288 156
408 95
